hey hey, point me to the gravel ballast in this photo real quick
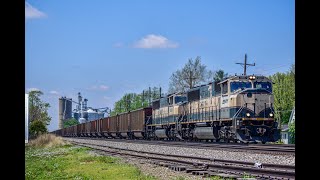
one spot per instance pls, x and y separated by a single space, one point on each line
208 153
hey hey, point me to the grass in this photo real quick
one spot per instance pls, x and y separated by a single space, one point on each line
52 161
245 175
49 157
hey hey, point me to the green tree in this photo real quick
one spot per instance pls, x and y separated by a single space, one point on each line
36 128
70 122
38 113
284 94
292 132
38 110
219 75
192 74
133 101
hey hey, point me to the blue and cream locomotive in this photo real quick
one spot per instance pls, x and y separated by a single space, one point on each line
237 109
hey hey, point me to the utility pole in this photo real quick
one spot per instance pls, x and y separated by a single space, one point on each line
149 96
142 102
246 64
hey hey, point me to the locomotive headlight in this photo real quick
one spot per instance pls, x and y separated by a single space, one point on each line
252 77
271 115
248 114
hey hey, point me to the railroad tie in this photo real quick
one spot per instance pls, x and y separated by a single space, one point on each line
164 164
200 173
191 170
178 168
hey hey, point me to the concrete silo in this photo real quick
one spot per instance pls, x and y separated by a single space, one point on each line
65 110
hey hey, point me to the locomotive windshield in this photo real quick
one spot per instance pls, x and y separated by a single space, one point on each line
239 85
264 85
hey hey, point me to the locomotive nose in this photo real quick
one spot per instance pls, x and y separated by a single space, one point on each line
257 102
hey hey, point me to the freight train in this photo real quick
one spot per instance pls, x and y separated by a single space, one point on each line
236 109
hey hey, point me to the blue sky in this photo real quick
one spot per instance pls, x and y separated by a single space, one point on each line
105 49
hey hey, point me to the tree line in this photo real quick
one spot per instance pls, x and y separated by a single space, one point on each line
284 94
133 101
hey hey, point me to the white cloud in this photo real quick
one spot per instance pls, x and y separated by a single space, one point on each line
32 89
155 41
54 92
100 87
32 13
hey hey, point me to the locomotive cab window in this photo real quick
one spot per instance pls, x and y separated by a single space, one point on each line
204 92
263 85
170 100
234 86
216 90
224 88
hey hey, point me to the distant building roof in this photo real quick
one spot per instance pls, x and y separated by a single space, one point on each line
91 111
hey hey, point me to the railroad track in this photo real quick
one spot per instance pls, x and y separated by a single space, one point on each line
257 148
203 166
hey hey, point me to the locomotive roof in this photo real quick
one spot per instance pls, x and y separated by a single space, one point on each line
243 77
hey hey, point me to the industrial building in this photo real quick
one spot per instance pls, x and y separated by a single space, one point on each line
82 113
65 110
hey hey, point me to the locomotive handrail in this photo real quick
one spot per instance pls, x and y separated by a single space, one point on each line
237 113
149 117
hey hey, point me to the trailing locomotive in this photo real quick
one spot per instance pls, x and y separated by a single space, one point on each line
237 109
